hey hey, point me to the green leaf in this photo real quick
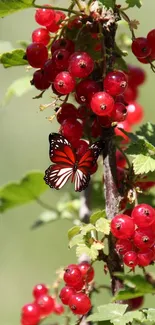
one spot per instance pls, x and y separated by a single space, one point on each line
135 286
91 252
108 3
120 64
151 314
147 131
45 217
128 318
143 164
103 225
28 189
133 3
87 228
8 7
76 240
18 88
14 58
73 231
97 215
107 312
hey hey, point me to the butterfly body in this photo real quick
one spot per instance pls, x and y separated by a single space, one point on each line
66 164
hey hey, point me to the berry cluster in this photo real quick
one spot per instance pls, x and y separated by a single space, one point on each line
77 279
144 47
135 233
42 306
63 66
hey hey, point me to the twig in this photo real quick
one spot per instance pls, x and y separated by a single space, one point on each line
58 8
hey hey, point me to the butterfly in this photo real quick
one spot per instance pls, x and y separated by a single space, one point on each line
67 165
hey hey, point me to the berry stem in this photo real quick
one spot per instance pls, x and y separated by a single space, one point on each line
126 158
58 8
112 198
127 19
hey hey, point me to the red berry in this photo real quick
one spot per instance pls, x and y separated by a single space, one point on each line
130 94
115 83
104 121
80 304
82 146
41 35
80 65
44 16
120 160
145 258
120 112
36 54
135 303
96 129
85 90
50 70
68 110
87 271
143 215
65 294
130 259
71 129
102 103
46 304
82 112
143 238
136 76
40 290
60 59
31 313
64 83
75 22
72 276
123 246
151 42
55 24
140 47
39 80
122 226
135 113
63 43
58 309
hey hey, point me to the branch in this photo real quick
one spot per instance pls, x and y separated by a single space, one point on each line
112 198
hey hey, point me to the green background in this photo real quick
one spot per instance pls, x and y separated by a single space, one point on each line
29 257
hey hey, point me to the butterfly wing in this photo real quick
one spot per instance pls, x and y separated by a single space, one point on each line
56 175
82 175
57 142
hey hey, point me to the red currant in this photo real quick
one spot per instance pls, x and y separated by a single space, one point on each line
63 43
31 313
87 271
104 121
80 304
85 90
82 146
44 16
46 304
122 226
115 83
130 94
82 112
72 276
40 290
135 303
60 59
80 65
140 47
135 113
67 110
39 80
151 42
143 215
65 294
130 259
145 258
64 83
71 129
144 238
58 309
55 24
41 35
102 103
50 70
123 246
96 129
36 54
136 76
120 112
